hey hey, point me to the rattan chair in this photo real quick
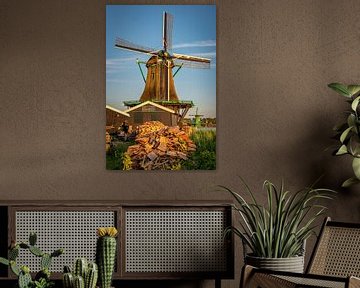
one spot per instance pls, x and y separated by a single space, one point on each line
334 263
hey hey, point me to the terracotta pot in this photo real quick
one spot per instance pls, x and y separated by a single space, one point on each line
291 264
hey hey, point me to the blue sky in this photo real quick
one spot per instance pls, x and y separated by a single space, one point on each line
194 33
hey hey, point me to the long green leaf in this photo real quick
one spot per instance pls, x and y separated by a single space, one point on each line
355 103
340 88
279 228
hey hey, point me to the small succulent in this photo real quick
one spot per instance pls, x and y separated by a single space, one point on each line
42 278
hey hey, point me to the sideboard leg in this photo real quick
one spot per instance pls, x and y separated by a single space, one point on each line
217 283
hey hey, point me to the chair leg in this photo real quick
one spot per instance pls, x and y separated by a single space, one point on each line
246 273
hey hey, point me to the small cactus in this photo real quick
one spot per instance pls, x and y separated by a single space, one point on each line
84 274
67 269
68 280
45 261
106 254
79 282
36 251
24 278
32 238
4 261
57 252
14 268
42 278
80 268
24 246
13 253
91 276
44 273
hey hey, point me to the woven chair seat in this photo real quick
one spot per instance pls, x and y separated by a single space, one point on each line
335 262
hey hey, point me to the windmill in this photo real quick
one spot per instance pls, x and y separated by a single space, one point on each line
197 118
159 82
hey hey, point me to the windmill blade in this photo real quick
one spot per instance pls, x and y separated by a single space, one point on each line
168 20
125 44
192 64
191 58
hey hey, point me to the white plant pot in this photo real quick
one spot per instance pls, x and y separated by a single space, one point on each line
291 264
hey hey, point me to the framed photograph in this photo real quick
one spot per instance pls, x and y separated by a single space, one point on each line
161 87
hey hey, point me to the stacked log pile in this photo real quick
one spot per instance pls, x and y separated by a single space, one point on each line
158 147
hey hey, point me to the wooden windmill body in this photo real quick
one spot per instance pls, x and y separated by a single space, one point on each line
159 83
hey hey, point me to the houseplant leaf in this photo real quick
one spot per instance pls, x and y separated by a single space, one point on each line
351 120
349 182
349 134
353 89
345 134
355 103
354 145
342 150
356 167
340 88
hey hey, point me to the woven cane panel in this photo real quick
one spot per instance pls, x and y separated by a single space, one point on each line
74 231
308 282
338 253
175 241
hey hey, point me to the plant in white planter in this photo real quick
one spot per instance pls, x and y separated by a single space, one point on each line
279 229
349 131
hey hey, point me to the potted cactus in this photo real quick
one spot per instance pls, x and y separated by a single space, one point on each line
106 254
42 278
85 275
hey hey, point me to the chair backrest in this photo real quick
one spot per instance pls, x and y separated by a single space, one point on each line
337 251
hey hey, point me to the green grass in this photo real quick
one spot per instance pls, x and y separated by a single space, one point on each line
204 158
115 154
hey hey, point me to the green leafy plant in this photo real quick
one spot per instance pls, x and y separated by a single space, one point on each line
348 132
279 229
42 278
204 158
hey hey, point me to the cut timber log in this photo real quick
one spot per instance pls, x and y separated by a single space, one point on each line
159 147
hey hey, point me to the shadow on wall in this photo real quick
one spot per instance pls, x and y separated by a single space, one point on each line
309 154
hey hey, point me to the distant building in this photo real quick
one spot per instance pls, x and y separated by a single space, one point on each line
150 111
115 118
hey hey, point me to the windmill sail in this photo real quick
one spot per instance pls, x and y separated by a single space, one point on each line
167 31
192 64
125 44
191 58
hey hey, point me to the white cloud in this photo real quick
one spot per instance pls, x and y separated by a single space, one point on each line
204 43
114 65
119 61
